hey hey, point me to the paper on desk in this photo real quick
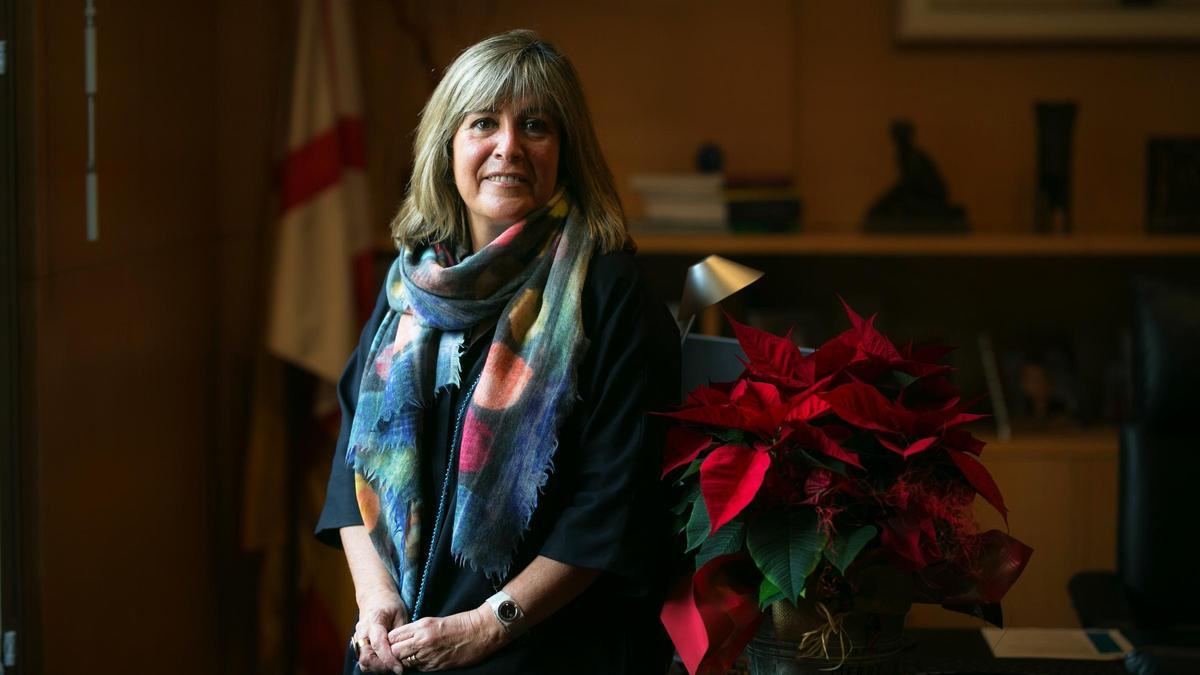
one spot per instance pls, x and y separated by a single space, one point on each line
1056 643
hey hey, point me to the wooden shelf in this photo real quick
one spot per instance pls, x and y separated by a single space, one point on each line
1079 444
802 244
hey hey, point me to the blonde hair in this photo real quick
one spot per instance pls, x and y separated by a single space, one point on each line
504 68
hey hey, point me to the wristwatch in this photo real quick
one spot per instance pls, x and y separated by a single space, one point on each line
508 613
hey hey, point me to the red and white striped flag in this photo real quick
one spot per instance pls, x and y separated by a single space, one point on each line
322 270
322 289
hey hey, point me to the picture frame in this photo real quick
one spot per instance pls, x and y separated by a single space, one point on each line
1043 22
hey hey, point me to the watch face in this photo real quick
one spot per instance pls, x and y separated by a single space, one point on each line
507 610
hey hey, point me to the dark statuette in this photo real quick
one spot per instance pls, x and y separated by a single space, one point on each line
710 159
1052 205
1173 185
918 202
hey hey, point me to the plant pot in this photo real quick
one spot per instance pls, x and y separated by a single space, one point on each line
872 644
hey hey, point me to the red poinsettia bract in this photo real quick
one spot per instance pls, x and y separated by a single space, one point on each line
811 468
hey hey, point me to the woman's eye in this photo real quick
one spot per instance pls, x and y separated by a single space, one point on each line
537 126
483 123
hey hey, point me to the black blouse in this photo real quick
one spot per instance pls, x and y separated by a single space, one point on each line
602 507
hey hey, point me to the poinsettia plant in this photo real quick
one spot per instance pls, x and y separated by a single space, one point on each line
842 477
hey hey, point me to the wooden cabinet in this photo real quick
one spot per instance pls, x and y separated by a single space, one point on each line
1061 492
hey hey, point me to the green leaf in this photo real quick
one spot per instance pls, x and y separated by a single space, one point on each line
728 539
843 550
768 594
786 548
835 465
679 525
693 468
730 436
698 525
689 492
903 379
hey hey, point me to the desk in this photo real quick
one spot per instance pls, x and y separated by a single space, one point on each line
962 651
951 650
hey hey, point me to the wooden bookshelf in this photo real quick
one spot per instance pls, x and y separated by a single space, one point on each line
918 245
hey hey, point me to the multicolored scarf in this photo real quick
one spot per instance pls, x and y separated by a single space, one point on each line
529 279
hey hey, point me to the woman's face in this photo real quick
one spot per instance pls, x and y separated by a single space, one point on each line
505 165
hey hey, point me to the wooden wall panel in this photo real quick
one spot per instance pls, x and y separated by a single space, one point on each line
125 387
155 111
121 341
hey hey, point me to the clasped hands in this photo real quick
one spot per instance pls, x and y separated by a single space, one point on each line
388 642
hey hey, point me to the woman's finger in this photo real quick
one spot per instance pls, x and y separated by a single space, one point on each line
428 641
407 647
358 642
368 662
409 629
381 648
419 639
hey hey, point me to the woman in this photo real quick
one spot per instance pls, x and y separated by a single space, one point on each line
495 486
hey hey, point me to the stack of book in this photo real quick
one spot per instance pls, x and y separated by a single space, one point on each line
762 203
682 201
709 202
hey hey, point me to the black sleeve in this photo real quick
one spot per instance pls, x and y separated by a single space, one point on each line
341 504
615 518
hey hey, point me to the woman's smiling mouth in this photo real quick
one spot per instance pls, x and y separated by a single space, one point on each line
506 179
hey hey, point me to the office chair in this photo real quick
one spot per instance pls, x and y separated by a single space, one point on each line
1154 594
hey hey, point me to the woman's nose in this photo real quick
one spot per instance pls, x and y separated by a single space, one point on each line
508 144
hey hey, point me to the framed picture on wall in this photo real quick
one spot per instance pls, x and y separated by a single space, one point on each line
1042 22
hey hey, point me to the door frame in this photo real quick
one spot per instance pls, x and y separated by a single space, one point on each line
15 596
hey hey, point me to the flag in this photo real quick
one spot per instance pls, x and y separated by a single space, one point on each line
322 289
322 267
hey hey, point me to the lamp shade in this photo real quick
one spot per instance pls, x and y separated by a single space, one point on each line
710 281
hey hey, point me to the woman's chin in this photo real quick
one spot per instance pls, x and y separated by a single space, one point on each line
510 211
